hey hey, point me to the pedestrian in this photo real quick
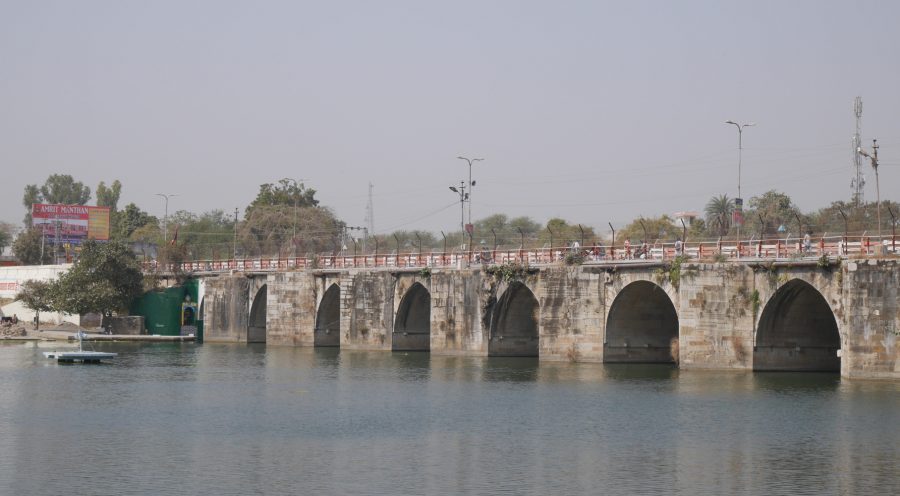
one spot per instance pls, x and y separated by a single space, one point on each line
679 247
807 243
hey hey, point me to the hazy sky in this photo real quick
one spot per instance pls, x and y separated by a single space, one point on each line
592 111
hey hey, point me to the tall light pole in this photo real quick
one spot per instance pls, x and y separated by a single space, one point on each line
471 182
166 216
739 201
874 159
463 196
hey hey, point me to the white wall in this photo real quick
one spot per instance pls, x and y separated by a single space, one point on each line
11 279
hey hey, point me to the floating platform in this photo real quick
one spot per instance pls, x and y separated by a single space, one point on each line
79 356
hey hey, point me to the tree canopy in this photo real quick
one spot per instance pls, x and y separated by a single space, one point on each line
58 188
27 248
285 192
105 278
657 228
718 212
6 235
37 296
109 196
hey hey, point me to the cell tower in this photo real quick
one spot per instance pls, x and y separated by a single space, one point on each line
858 180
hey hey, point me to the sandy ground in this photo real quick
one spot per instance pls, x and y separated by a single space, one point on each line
24 330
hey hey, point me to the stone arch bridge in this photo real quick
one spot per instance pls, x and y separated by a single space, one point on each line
800 315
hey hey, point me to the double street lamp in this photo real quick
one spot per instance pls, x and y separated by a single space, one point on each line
166 216
739 201
471 183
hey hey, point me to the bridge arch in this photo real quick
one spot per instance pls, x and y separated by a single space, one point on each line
256 325
412 325
514 323
328 318
642 326
797 331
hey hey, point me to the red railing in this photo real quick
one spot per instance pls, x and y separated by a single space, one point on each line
768 249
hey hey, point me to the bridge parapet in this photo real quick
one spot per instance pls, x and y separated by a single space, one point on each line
782 249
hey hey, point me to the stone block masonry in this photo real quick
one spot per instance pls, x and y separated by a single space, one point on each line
748 315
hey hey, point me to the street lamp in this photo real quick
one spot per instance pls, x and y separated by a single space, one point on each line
166 217
471 182
739 201
874 159
463 196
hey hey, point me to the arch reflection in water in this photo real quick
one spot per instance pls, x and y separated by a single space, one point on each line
514 323
256 328
797 331
328 319
412 327
642 326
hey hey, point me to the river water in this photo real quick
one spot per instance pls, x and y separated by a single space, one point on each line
235 419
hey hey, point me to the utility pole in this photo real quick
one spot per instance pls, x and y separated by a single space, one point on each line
235 232
463 196
56 242
873 158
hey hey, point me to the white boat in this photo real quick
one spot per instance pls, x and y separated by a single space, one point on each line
81 355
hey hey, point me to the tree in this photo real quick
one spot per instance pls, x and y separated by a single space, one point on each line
718 211
6 235
205 236
130 219
105 278
776 209
658 228
859 218
285 230
564 233
58 188
38 296
27 248
32 195
409 242
109 196
286 192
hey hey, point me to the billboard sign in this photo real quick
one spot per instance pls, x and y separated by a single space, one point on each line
71 223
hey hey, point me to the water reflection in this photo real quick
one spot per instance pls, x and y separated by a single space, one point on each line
237 419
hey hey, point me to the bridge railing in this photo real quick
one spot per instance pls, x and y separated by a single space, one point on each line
719 250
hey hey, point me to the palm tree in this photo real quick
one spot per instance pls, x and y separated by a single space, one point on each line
718 214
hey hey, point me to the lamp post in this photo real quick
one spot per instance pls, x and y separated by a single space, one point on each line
463 196
873 157
166 216
471 182
739 201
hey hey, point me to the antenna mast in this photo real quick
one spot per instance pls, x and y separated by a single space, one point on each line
858 180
